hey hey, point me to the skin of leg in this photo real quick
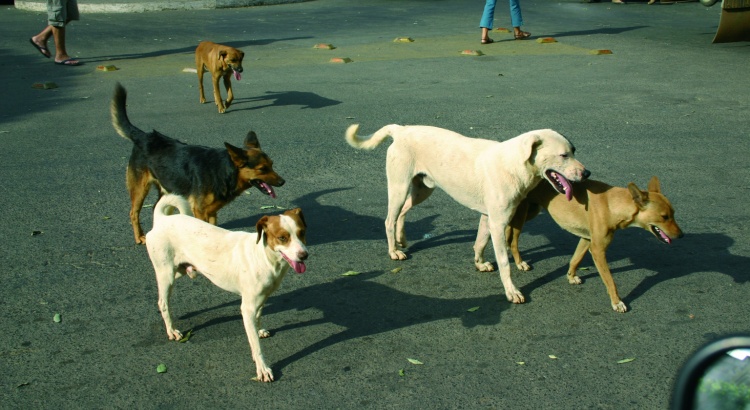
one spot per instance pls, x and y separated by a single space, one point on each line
497 224
419 192
483 237
61 54
228 86
217 94
200 69
250 314
43 36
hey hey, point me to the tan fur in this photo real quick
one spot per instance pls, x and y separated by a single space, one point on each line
221 61
251 265
487 176
595 213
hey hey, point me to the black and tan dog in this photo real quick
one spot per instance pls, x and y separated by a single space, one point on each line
595 213
222 62
208 177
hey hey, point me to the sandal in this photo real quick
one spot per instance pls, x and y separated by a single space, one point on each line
42 49
487 40
523 35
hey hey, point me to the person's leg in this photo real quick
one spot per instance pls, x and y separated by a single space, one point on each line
59 13
487 21
40 41
517 20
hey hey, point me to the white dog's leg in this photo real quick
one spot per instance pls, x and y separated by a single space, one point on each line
250 310
483 236
497 232
398 189
165 281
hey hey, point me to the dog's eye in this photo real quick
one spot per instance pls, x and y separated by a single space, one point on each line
283 239
665 217
564 155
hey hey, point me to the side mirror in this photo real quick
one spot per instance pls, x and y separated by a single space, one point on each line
716 376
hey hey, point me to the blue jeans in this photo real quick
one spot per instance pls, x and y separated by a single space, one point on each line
489 14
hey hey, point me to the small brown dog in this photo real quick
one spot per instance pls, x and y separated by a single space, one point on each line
222 62
595 213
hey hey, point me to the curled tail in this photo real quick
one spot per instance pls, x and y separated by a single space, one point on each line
119 116
374 140
168 204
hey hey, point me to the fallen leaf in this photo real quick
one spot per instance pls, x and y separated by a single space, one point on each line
267 207
521 363
35 233
397 270
414 361
625 360
350 273
57 318
552 356
161 368
186 336
474 309
402 373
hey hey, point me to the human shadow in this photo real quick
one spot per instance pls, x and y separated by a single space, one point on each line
284 99
358 305
602 30
186 50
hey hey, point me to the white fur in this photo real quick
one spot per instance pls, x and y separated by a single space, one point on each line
238 262
487 176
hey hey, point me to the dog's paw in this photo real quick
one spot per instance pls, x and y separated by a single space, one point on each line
263 374
484 266
174 334
515 296
397 255
263 333
140 240
523 266
575 280
620 307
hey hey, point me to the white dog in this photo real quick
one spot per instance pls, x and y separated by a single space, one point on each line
487 176
251 265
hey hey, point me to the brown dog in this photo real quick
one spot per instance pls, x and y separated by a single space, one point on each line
595 213
221 61
208 177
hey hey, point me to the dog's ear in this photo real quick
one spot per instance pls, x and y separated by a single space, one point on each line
529 146
639 197
260 226
237 155
222 54
251 140
298 212
654 185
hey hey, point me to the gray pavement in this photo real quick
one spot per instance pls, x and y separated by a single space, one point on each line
666 102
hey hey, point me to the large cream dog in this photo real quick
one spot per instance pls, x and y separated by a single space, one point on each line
487 176
251 265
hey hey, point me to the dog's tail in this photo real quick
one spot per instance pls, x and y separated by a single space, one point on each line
168 204
120 116
372 141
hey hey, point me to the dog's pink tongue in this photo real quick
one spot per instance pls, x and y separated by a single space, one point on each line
566 184
666 238
299 267
268 189
237 75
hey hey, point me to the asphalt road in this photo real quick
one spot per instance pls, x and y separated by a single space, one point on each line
666 102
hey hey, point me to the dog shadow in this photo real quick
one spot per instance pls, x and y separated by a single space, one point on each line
187 50
355 303
693 254
330 224
286 98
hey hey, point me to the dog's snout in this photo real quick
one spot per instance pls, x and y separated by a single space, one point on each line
302 255
281 181
586 174
238 69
